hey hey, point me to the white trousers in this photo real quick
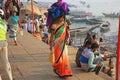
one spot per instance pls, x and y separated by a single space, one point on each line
5 62
0 77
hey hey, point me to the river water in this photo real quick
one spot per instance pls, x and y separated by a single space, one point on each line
112 32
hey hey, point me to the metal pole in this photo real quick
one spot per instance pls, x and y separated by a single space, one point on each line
20 15
118 55
32 16
75 37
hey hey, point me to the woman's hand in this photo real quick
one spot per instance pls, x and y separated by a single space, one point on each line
98 65
67 41
50 47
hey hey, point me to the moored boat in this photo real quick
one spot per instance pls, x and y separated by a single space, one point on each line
94 20
104 26
111 15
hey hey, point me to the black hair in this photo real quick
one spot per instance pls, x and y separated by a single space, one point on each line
94 36
88 33
57 19
68 21
94 45
88 42
60 17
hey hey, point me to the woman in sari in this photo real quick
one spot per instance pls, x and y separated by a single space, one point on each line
13 25
59 38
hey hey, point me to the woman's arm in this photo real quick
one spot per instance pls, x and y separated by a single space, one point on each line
52 31
51 36
90 61
67 33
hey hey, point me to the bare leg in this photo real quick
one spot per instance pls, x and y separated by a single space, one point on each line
15 41
0 77
6 64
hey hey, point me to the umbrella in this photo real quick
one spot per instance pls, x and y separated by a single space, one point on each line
27 9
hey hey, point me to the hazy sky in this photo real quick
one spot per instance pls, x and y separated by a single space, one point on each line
96 6
78 0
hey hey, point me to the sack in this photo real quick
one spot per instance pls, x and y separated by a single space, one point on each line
56 11
52 58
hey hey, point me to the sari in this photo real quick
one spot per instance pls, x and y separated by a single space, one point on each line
61 66
13 25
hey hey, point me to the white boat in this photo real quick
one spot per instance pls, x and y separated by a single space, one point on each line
105 26
111 15
79 19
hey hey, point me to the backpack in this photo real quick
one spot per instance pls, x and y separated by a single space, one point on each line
56 11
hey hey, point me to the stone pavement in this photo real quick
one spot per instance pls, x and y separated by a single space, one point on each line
30 61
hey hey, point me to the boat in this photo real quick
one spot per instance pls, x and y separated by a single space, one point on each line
80 13
80 30
105 26
78 19
111 15
83 30
79 16
94 20
82 19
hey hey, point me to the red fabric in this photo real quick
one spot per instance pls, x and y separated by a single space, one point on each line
118 55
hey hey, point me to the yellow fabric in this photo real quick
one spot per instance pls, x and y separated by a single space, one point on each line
21 32
52 58
3 32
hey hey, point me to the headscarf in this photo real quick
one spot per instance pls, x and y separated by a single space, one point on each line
64 6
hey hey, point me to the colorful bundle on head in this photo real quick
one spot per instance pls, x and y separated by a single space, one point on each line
56 11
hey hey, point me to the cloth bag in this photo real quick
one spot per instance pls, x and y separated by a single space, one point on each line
52 57
21 32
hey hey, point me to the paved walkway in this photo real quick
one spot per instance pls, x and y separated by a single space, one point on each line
30 61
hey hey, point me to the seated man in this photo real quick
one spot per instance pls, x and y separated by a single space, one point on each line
88 60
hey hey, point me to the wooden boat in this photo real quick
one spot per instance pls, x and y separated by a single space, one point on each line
80 16
93 21
80 13
104 26
111 15
78 19
81 19
83 30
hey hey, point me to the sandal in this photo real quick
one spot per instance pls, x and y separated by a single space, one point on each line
56 72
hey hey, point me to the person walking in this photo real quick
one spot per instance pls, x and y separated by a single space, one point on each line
13 22
58 40
60 35
3 46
